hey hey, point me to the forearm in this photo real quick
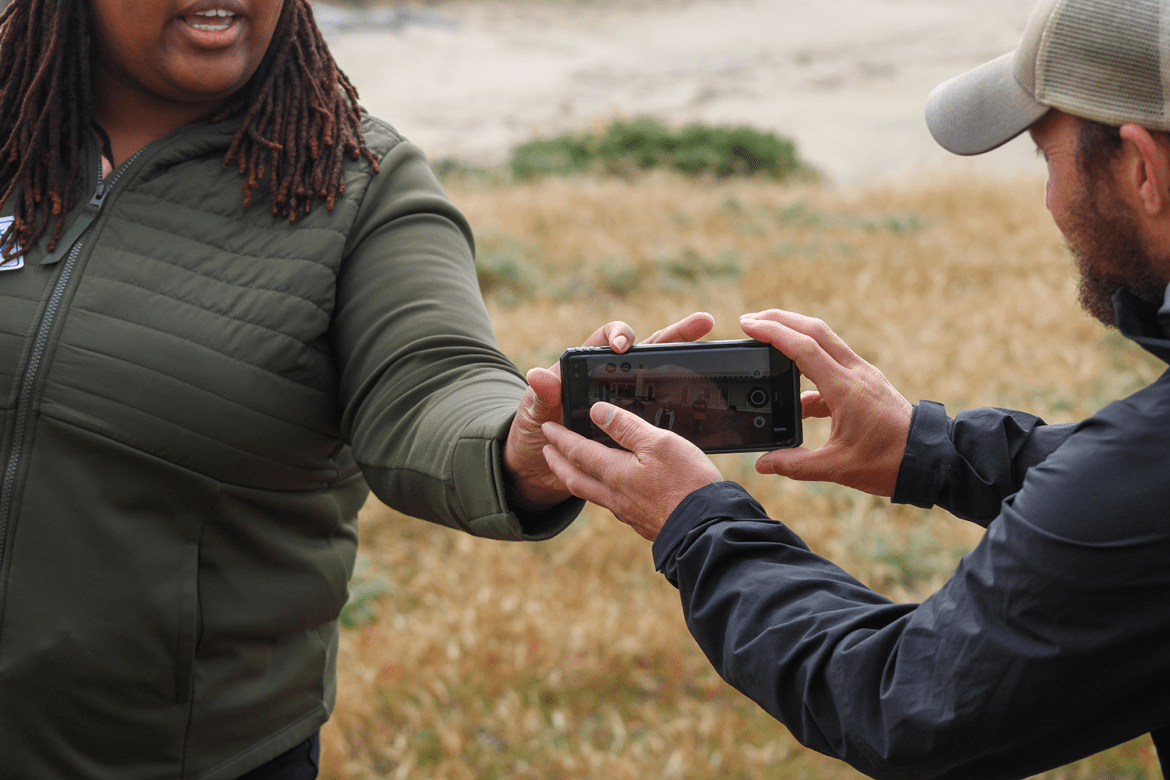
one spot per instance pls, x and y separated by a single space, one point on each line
426 394
976 682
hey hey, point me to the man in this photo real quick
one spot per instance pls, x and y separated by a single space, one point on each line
1052 639
699 413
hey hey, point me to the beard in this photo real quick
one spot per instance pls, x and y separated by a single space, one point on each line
1110 251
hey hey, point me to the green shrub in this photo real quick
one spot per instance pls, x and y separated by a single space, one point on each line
544 156
626 147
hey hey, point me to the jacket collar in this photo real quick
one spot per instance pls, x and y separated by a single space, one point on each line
1145 322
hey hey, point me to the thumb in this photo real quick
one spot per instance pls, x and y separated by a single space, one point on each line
546 387
627 429
799 463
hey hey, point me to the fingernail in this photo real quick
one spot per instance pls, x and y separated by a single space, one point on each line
620 343
605 414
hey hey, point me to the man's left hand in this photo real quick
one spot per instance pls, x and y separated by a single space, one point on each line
642 486
532 486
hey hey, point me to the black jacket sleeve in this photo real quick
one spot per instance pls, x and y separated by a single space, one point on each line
972 463
1046 645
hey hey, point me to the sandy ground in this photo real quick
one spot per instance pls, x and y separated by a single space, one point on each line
847 79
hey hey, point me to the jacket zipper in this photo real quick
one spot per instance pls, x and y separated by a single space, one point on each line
71 243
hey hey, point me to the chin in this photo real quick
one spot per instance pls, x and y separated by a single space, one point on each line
209 82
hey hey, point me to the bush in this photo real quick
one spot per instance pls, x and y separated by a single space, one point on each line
543 156
626 147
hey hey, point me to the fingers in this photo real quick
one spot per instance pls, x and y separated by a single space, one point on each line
583 465
819 353
816 330
641 487
616 335
659 459
802 337
871 419
619 336
579 483
690 328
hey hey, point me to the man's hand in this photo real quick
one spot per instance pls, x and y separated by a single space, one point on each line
641 487
871 420
532 486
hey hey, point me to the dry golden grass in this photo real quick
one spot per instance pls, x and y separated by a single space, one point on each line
569 658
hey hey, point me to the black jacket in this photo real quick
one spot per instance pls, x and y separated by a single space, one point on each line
1049 643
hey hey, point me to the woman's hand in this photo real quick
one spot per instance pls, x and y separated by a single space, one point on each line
642 486
532 486
871 420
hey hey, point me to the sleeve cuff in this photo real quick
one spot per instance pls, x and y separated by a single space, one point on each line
480 450
923 469
717 500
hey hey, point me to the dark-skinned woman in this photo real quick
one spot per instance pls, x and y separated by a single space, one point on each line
229 302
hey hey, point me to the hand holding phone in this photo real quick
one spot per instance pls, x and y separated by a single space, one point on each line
724 396
871 419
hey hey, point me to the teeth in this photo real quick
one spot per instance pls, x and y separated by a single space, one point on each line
223 19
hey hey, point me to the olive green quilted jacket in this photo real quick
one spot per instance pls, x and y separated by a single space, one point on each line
193 398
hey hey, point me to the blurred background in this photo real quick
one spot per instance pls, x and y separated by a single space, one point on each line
847 80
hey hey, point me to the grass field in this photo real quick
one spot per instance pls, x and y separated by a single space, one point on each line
467 658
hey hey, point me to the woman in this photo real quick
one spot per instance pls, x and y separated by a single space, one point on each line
229 301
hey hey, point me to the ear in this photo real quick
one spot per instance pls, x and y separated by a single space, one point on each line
1145 169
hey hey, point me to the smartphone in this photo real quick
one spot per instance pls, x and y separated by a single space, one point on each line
724 396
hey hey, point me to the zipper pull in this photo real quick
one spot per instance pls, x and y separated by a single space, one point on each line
88 214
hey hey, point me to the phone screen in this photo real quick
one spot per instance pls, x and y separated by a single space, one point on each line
725 396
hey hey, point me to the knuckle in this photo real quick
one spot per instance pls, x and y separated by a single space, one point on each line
819 329
804 345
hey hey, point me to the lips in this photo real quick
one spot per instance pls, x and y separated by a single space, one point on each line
213 23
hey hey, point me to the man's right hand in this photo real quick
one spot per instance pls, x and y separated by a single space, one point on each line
871 420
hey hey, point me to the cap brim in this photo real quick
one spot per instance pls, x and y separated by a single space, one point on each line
982 109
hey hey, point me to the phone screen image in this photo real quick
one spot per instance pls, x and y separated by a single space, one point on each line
723 396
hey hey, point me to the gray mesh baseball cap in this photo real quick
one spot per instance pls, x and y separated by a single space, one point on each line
1107 60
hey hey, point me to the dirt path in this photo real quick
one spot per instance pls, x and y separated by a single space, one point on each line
846 79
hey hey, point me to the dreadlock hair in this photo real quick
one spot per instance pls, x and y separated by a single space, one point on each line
301 117
45 104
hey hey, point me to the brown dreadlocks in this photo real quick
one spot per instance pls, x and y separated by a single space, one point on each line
300 117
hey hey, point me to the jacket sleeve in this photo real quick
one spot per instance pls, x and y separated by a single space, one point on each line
426 395
1046 645
970 464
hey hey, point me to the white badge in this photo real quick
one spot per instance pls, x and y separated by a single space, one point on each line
17 262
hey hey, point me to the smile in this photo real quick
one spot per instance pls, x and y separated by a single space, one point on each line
215 20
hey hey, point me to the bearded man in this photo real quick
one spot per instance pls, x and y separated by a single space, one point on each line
1052 639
